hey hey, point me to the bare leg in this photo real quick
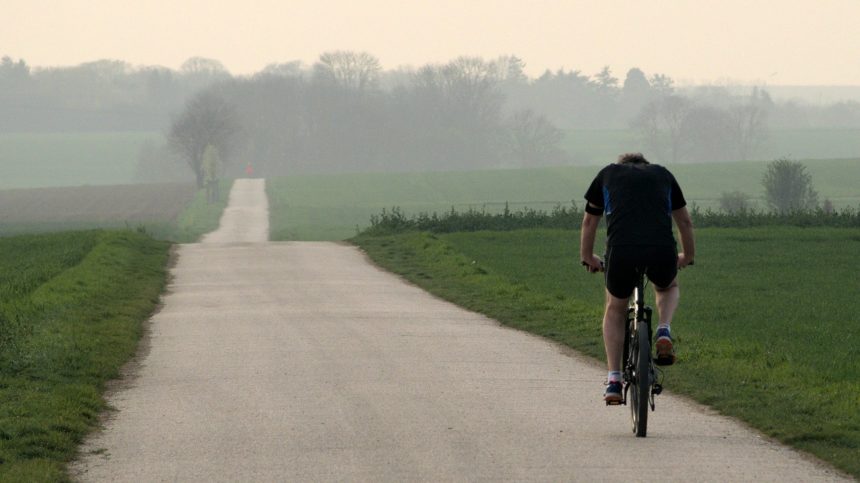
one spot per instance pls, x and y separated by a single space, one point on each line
613 330
667 302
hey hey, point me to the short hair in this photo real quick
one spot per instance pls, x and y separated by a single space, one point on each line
632 158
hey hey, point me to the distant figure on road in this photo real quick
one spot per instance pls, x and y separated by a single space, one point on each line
211 162
249 170
640 201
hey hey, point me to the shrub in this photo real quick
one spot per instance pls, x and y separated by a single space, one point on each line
734 202
788 187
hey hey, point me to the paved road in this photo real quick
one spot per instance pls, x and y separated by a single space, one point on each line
304 362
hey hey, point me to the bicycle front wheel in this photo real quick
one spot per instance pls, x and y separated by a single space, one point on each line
641 386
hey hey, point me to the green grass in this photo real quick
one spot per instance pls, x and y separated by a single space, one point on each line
766 331
29 160
331 207
71 314
198 218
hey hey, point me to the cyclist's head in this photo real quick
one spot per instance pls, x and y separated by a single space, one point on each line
632 158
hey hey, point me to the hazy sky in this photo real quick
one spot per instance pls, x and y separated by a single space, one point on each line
763 41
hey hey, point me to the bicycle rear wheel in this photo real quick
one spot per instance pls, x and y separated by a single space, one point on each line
641 384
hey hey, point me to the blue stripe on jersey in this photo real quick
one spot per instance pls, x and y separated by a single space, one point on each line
607 207
669 200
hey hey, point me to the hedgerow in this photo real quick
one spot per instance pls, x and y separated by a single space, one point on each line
396 220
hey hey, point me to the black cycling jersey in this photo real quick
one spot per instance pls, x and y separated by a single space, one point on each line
638 200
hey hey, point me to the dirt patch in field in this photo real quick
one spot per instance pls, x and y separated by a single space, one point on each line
96 204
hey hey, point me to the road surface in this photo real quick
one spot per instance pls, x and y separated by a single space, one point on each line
280 361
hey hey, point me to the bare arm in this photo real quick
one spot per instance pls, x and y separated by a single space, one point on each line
685 231
586 242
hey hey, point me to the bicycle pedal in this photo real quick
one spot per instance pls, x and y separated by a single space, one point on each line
614 403
656 389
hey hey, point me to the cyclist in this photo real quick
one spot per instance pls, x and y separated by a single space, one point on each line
640 201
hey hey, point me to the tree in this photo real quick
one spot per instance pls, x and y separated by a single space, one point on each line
734 202
788 187
749 124
635 93
636 85
13 71
662 85
207 120
534 139
352 70
210 165
605 82
204 67
707 135
509 68
284 69
661 124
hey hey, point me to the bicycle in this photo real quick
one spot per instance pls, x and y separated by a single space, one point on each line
640 375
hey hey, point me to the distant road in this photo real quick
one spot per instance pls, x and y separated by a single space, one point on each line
303 362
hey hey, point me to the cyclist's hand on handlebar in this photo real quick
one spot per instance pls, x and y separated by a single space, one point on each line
593 265
684 261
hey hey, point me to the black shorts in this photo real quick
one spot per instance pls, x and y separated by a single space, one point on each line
625 262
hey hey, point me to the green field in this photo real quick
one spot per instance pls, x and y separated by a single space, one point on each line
766 330
31 160
601 146
71 312
332 207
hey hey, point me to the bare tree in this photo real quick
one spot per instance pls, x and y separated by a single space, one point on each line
749 124
661 124
706 133
207 120
204 66
352 70
534 139
470 84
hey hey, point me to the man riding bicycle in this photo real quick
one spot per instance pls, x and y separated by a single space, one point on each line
640 200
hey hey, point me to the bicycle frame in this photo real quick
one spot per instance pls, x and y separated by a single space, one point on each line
639 373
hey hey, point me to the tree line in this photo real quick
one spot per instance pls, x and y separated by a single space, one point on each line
345 113
105 95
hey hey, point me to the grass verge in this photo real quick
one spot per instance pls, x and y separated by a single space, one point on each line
199 217
764 332
71 314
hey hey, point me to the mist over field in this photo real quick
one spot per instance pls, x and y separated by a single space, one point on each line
107 122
